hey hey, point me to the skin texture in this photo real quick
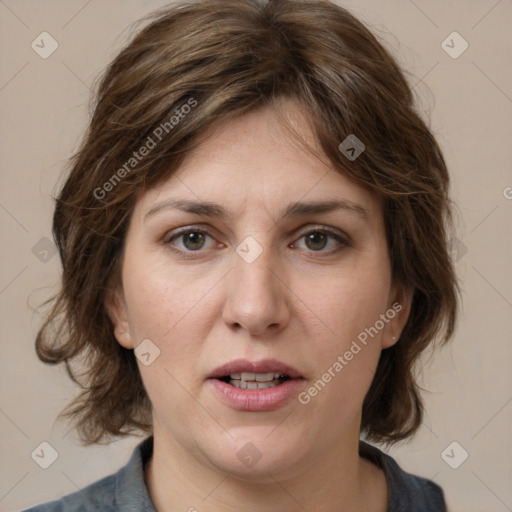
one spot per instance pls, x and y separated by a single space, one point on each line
300 303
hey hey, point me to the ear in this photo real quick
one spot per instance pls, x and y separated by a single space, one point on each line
117 312
399 308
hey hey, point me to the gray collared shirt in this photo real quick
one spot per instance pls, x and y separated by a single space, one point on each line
126 491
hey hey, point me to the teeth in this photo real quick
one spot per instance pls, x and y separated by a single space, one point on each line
242 384
249 380
255 377
265 377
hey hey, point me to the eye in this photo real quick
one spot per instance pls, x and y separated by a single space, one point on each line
317 240
190 240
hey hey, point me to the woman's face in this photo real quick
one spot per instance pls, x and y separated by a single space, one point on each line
257 266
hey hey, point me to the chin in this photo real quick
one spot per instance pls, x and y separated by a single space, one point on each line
254 456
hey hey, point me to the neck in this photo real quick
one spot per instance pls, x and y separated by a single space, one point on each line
338 480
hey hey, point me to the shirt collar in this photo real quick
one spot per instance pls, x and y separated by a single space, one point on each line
131 491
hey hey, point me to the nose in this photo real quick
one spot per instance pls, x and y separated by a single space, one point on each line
257 297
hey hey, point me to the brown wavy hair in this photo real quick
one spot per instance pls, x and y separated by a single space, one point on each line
226 58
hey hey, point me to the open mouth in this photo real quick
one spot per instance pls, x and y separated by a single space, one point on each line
256 386
252 381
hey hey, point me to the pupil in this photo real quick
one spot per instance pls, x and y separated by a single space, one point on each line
194 240
316 238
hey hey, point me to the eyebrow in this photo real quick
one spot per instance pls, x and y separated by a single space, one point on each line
295 209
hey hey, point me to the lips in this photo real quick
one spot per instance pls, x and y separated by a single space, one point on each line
255 386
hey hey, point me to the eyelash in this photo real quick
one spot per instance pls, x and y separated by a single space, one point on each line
343 241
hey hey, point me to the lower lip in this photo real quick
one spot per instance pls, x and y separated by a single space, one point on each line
257 399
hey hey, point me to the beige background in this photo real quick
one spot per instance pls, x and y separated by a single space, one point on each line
44 110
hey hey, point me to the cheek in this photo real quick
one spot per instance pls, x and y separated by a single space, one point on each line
167 311
349 303
159 298
349 346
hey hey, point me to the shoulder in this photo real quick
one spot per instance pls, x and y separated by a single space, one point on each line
99 495
123 491
406 492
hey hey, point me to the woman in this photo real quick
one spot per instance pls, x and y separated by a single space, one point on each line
254 249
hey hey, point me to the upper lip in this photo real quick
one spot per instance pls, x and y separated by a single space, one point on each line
263 366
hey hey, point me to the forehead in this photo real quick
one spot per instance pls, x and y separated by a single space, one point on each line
254 161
